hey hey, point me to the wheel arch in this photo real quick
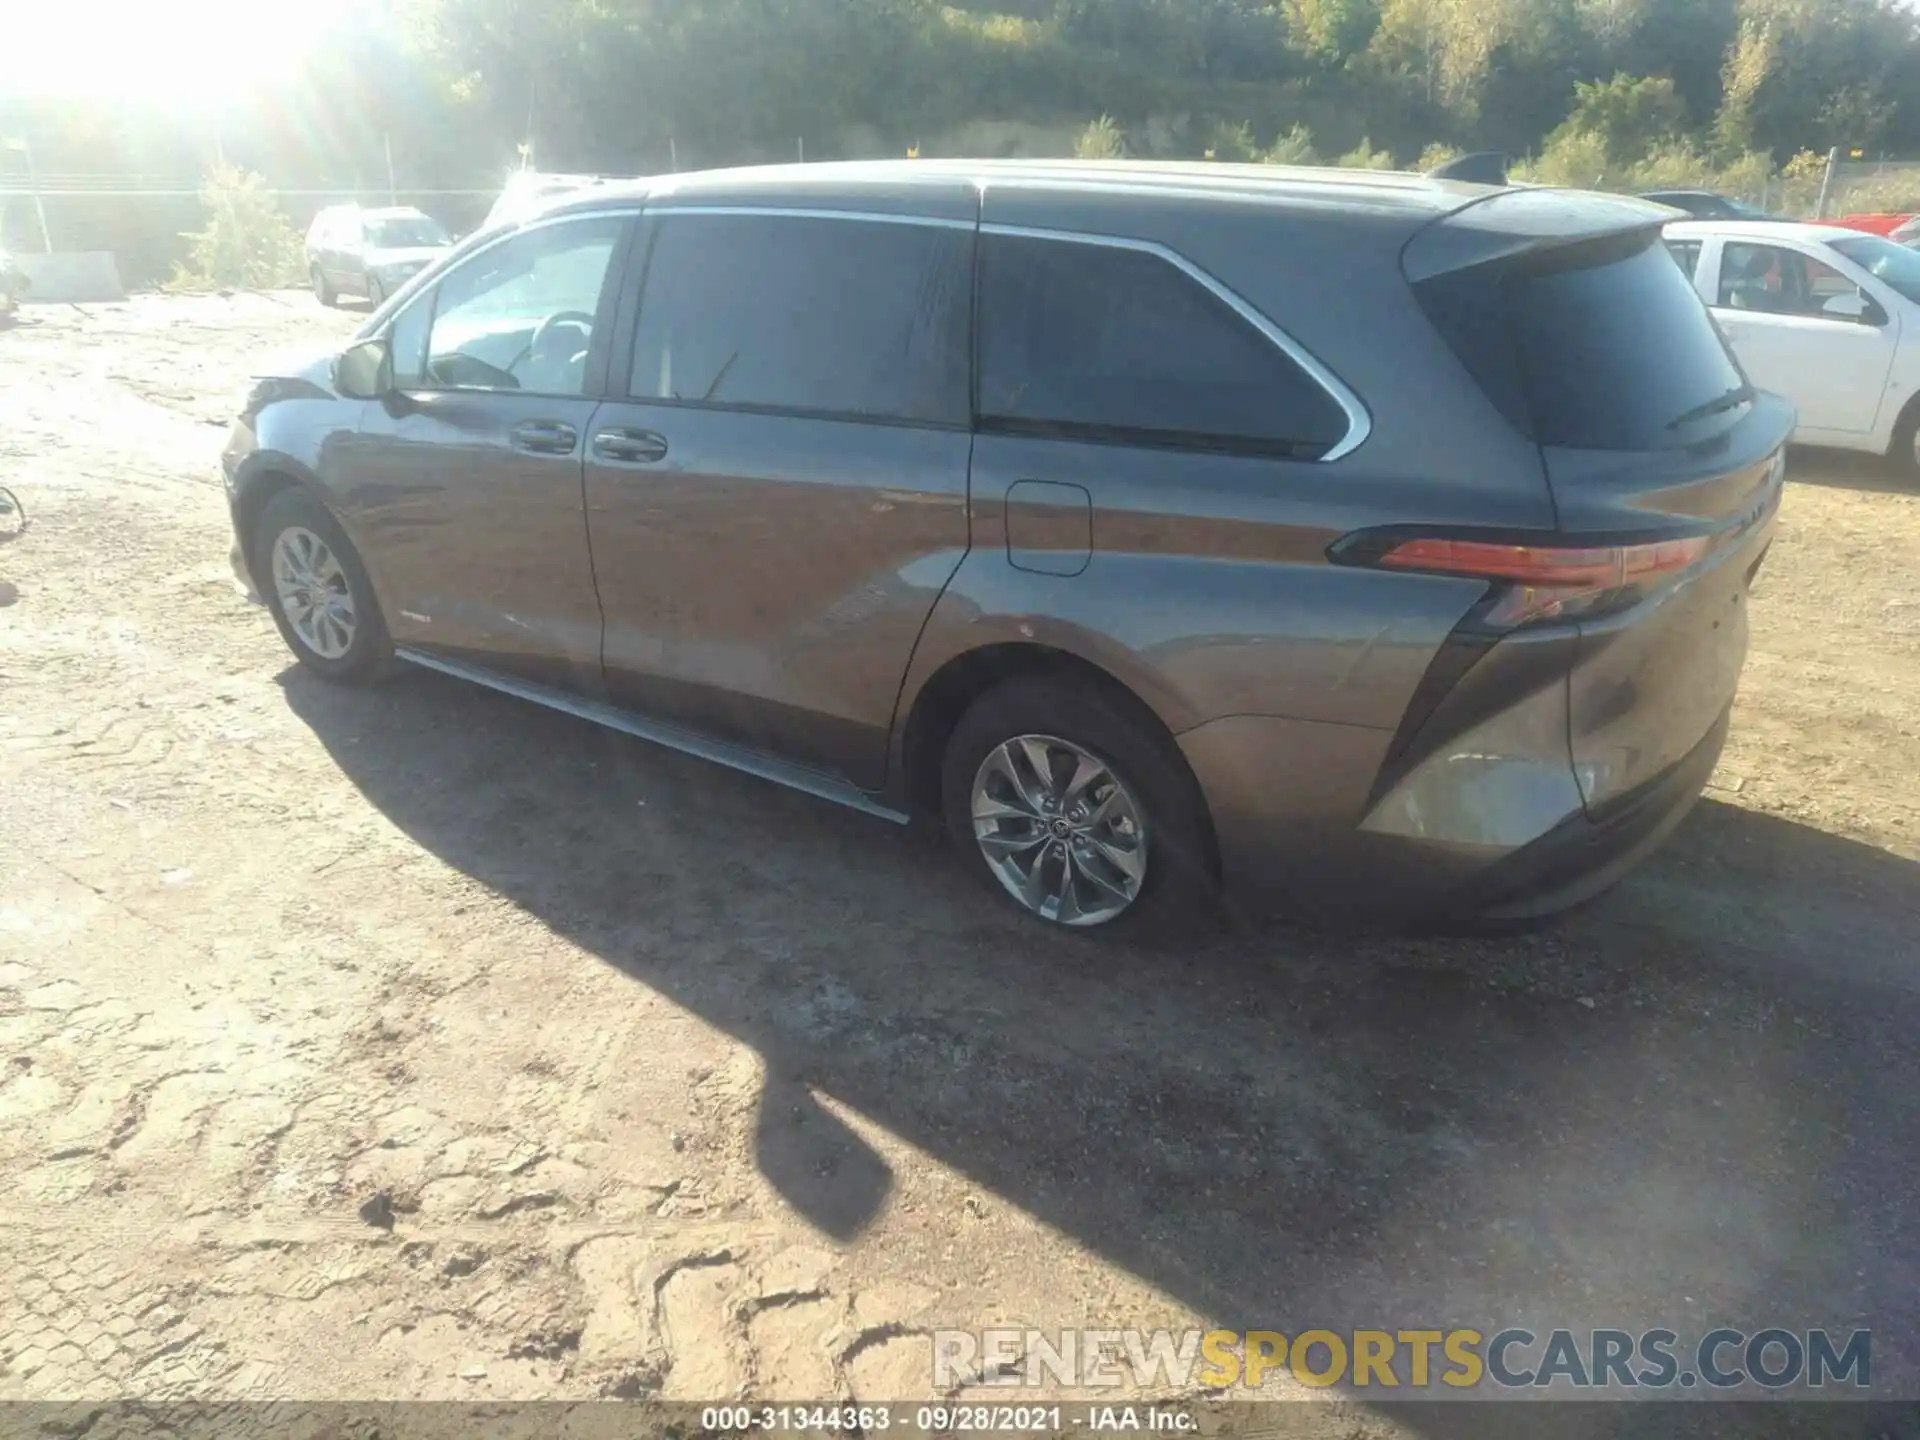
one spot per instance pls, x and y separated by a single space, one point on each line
265 475
1905 418
944 696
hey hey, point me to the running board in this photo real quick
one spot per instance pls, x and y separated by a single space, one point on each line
734 757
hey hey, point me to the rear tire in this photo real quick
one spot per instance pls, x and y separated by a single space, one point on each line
318 591
322 291
1130 847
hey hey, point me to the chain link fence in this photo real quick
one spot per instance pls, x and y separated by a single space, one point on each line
144 219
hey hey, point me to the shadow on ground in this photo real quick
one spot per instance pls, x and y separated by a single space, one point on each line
1849 470
1689 1106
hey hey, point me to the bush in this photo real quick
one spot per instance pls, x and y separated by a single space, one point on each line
1293 148
247 243
1231 144
1102 140
1579 159
1364 157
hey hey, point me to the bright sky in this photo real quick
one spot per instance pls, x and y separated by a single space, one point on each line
189 53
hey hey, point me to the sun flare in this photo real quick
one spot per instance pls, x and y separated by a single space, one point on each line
188 54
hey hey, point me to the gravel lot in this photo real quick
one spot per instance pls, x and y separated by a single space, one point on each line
420 1043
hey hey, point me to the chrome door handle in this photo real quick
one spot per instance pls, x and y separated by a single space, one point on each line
545 437
630 447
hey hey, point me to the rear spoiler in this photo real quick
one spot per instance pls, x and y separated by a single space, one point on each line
1507 223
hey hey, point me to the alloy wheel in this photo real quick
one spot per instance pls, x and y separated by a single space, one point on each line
313 592
1059 830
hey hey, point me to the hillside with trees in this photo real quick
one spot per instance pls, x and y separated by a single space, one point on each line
1619 93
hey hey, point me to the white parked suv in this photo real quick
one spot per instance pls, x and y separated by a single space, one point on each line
1828 318
527 190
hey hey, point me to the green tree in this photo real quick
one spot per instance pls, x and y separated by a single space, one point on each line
247 244
1628 115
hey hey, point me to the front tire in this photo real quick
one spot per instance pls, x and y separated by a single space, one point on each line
1061 800
1903 455
322 291
318 591
376 292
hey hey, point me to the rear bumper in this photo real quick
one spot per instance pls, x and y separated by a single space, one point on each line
1583 856
1287 800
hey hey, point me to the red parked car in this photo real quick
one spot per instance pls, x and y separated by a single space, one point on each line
1873 222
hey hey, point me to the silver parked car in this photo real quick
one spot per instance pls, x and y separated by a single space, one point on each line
356 251
1368 543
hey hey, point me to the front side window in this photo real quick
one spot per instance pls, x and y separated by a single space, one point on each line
1105 342
1776 281
815 315
1892 264
518 315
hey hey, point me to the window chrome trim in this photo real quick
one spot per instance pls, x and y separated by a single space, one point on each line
1359 421
794 212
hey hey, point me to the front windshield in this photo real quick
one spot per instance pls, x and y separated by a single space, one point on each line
403 232
1894 266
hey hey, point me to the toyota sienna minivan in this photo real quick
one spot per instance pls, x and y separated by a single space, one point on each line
1361 543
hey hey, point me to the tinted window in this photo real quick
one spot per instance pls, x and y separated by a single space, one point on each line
1778 281
1612 353
1096 339
519 315
835 317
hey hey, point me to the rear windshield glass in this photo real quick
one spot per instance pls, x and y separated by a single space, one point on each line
1613 351
1612 355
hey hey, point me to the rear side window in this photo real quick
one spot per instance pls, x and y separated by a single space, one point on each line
1604 346
1103 342
1686 254
854 318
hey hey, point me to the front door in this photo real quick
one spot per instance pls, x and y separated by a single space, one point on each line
780 494
1770 303
466 482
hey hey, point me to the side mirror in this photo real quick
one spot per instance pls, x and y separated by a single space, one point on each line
1851 306
365 371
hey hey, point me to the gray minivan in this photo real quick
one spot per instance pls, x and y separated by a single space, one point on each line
1367 542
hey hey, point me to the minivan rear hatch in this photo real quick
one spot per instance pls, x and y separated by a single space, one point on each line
1584 333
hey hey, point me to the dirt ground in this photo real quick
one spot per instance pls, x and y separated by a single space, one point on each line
417 1042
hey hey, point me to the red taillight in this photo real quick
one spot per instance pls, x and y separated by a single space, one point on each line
1548 582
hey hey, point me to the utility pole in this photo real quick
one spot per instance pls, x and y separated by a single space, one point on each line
33 184
393 191
526 150
1826 182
